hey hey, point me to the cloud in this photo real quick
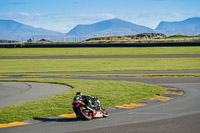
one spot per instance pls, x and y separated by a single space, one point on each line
19 3
22 16
101 16
106 16
29 14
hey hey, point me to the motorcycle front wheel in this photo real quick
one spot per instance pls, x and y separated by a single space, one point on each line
84 113
105 113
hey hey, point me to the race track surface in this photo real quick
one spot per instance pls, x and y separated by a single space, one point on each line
20 92
183 124
114 72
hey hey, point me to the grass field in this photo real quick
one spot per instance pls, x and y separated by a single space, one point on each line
111 93
97 51
61 65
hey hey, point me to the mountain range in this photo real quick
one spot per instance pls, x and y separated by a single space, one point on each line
109 27
12 30
189 26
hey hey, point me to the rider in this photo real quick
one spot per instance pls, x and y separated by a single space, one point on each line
88 100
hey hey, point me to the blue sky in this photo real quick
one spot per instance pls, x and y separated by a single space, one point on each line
63 15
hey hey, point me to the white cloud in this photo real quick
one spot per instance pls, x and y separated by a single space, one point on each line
29 14
24 14
101 16
36 14
19 3
176 15
106 16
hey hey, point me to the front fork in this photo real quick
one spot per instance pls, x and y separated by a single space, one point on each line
76 111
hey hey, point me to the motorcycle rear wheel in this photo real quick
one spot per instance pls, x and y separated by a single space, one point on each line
84 113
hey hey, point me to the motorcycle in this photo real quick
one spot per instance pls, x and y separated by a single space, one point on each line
85 112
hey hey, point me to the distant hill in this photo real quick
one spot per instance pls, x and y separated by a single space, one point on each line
116 26
109 27
12 30
189 26
126 38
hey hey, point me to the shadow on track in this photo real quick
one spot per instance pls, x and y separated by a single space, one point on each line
56 119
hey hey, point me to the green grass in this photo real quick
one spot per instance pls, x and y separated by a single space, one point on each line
183 37
61 65
97 51
111 93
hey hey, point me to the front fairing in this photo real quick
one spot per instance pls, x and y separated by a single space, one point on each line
77 104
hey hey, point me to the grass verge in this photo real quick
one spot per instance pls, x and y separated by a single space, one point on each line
98 51
72 65
111 93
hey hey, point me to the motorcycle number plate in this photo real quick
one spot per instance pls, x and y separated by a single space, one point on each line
98 114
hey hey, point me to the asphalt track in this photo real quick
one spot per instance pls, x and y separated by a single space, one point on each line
20 92
112 72
181 115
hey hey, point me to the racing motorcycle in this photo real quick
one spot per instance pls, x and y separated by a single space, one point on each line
84 112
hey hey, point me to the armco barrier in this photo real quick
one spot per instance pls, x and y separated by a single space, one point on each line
32 45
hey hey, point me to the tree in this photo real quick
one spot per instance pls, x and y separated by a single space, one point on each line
29 40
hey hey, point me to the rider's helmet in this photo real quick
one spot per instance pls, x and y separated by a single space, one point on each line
79 94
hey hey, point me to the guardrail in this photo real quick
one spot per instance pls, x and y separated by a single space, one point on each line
137 44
